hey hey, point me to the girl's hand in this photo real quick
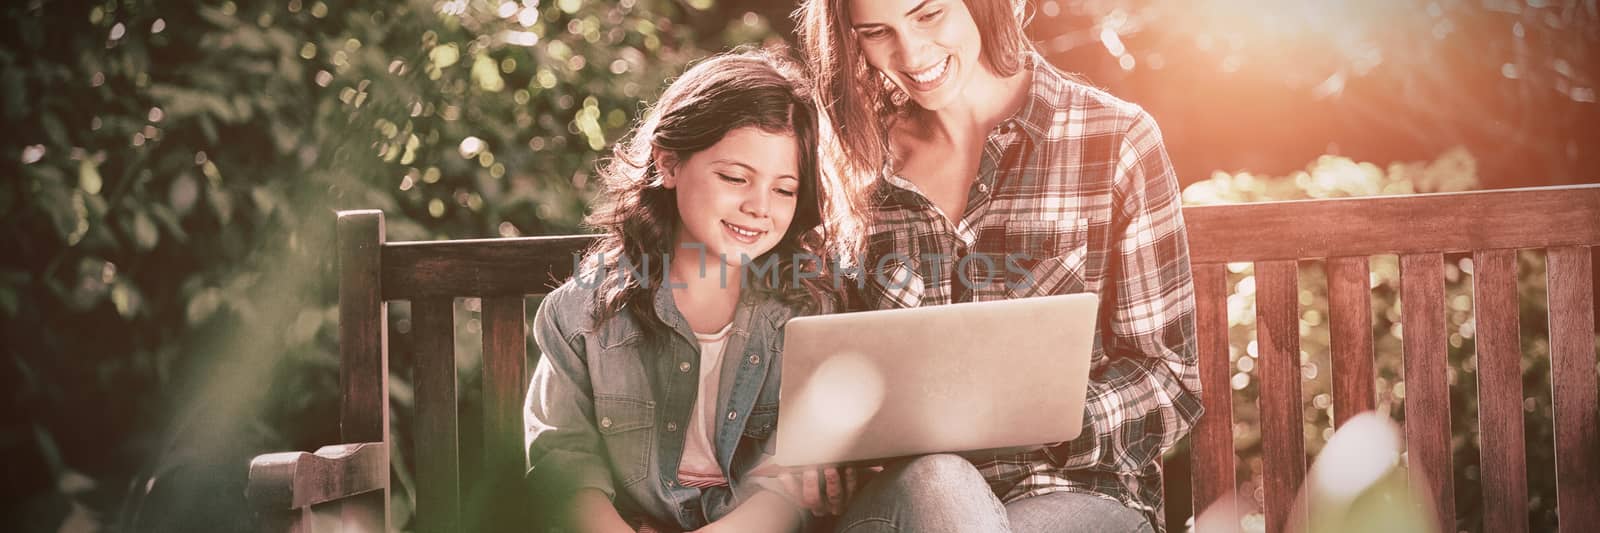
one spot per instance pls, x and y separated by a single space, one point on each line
825 490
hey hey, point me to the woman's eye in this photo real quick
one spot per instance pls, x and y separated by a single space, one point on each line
730 179
786 193
872 34
930 16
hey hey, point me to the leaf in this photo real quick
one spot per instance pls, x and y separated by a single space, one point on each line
89 177
145 233
222 205
125 296
169 222
203 305
80 220
183 193
10 301
54 130
15 104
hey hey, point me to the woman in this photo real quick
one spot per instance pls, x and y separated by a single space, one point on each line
994 176
656 397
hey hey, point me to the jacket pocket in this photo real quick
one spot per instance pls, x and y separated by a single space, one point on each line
763 420
1046 257
627 426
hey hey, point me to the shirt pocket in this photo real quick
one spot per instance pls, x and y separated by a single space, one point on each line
892 280
627 426
763 420
1046 257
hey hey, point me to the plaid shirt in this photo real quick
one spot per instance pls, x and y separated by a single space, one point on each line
1074 194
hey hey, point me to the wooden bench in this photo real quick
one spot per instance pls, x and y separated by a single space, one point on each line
348 484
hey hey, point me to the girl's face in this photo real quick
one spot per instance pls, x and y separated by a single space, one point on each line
927 48
738 196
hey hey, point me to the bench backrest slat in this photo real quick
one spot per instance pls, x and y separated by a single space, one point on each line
505 379
1499 345
1350 336
1427 393
479 267
1282 422
438 454
1212 459
1570 272
1443 222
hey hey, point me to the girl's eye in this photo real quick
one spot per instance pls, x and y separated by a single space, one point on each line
730 179
930 16
872 34
786 193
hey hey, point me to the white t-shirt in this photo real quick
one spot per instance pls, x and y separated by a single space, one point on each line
698 468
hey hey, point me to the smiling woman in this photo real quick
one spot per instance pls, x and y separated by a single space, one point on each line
976 146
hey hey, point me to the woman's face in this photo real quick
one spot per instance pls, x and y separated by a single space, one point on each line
927 48
738 196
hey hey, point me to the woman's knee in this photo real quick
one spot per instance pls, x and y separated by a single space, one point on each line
942 469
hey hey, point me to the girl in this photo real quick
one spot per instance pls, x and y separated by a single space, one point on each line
977 148
656 396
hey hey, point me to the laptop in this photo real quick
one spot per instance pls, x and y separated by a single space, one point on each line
963 377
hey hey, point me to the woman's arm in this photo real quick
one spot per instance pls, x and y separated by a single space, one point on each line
1147 397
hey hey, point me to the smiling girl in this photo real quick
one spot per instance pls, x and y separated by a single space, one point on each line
657 392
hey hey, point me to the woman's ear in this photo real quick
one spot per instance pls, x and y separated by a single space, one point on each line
666 167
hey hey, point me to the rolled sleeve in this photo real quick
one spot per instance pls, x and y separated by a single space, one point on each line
563 447
1147 396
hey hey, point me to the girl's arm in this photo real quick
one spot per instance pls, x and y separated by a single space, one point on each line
592 512
565 454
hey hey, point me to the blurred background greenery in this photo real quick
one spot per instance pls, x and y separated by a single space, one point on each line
166 266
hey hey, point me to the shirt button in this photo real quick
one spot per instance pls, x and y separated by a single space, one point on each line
755 359
732 415
672 426
605 421
983 188
683 366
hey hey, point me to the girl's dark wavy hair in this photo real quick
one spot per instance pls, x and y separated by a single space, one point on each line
638 216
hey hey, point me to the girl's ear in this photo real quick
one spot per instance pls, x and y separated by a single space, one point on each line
666 166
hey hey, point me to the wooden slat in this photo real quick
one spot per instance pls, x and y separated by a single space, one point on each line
1350 336
1282 424
1427 394
1573 385
479 267
364 354
1212 460
438 453
1516 218
504 380
1503 453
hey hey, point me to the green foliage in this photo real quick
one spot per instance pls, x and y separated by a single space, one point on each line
1334 177
167 292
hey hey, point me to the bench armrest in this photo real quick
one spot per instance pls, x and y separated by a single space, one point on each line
296 480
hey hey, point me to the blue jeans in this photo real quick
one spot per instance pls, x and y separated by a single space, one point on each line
944 492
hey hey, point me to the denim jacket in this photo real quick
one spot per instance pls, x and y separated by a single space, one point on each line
604 412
